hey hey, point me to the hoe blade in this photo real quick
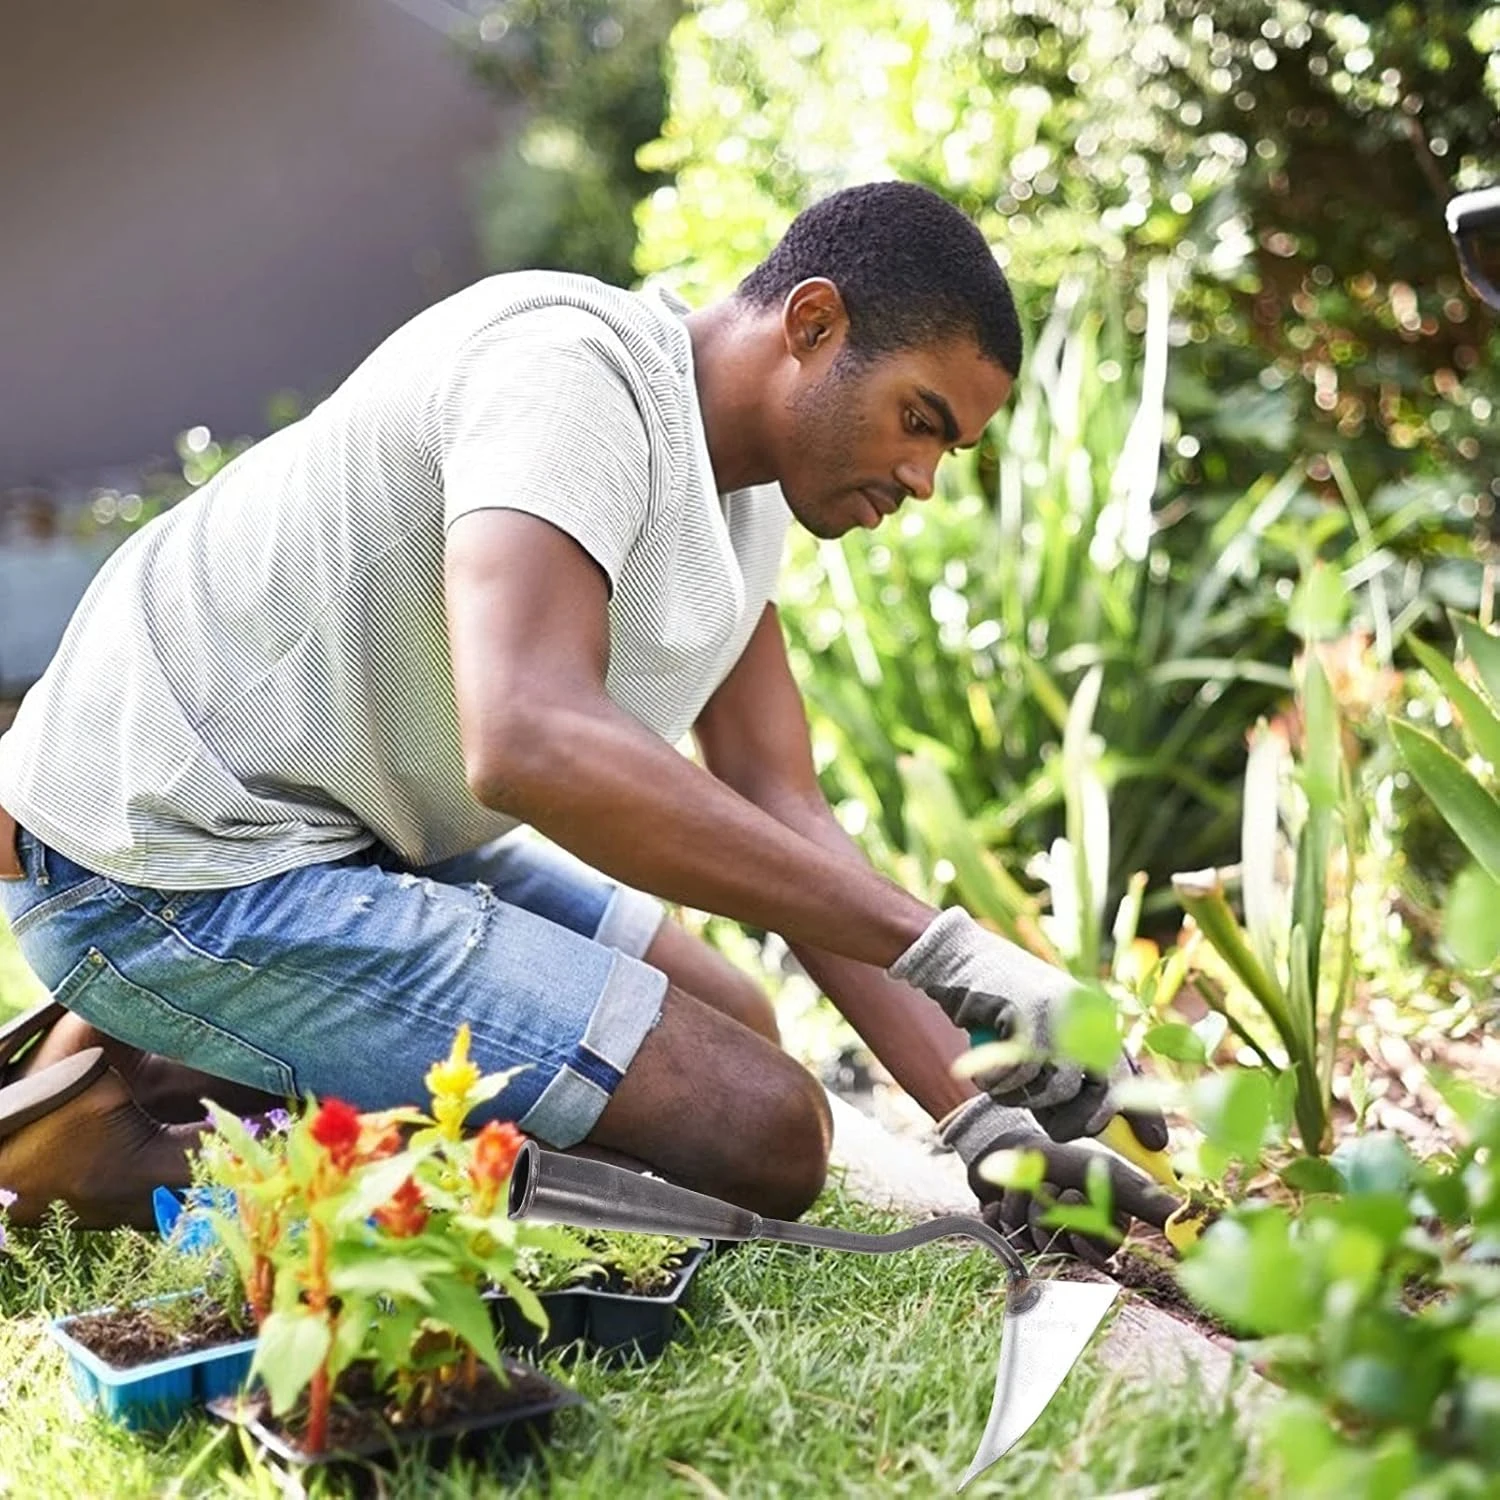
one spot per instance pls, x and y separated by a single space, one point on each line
1038 1346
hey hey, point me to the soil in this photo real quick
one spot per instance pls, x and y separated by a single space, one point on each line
360 1421
1157 1284
133 1336
619 1287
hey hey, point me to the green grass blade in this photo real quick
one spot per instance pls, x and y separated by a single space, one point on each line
1481 723
1472 810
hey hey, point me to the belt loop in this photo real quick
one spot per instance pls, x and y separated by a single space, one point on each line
39 858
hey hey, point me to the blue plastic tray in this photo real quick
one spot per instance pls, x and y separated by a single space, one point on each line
155 1394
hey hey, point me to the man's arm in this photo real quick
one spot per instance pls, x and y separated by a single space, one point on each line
528 625
754 737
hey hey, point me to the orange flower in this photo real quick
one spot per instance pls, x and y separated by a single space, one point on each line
495 1150
335 1128
405 1214
379 1135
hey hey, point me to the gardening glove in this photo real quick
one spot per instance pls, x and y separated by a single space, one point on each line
985 983
980 1126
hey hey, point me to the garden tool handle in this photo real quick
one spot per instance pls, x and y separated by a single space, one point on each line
551 1188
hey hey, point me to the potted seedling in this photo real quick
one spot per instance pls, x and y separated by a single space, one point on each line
181 1334
633 1306
364 1242
557 1281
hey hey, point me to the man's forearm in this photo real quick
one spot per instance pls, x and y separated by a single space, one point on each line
914 1040
627 803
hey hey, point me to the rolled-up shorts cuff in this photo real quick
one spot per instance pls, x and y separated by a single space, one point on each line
630 921
628 1008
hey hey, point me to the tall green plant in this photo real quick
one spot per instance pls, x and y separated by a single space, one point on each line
1468 796
1296 971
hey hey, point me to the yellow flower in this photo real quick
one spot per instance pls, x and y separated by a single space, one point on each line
450 1083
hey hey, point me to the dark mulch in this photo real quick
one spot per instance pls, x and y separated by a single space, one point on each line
132 1336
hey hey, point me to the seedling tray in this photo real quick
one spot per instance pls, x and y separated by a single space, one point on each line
508 1433
618 1324
159 1393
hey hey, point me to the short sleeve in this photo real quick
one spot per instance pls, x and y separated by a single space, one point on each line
541 419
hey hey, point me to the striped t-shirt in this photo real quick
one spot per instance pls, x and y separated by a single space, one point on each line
260 678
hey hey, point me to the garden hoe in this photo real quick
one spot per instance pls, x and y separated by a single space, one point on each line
1047 1324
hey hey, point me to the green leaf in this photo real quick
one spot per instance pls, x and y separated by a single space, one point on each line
383 1272
1320 607
526 1300
1232 1110
1259 826
1023 1170
288 1352
1085 1218
1173 1040
1471 919
1472 811
459 1307
1377 1162
1312 1174
1087 1029
375 1184
1322 756
1202 897
1248 1270
938 821
1482 647
1481 723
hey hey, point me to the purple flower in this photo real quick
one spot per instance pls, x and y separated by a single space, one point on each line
279 1120
252 1126
7 1197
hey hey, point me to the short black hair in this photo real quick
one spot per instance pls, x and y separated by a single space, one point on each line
912 270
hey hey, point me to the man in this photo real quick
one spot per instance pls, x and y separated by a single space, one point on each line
527 545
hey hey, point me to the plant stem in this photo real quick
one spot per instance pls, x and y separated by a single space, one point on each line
317 1302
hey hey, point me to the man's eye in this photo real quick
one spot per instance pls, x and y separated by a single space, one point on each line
915 422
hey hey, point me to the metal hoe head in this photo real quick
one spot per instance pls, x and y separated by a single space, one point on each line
1047 1324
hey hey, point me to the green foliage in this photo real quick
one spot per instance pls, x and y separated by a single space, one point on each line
56 1270
561 192
1467 795
1279 956
1292 162
1375 1302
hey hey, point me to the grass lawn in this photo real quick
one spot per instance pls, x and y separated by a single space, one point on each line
805 1373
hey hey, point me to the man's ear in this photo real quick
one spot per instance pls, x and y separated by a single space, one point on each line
814 320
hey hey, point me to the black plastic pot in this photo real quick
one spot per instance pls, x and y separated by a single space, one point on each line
493 1434
619 1324
567 1322
623 1324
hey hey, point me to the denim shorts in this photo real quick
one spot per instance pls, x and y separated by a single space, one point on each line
349 979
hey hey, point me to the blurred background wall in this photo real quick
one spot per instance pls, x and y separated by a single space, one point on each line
206 201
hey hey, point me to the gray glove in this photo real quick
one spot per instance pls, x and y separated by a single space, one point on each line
981 1126
985 983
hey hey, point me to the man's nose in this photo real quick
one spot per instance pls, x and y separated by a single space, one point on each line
915 479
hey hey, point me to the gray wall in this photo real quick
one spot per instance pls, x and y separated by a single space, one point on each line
205 201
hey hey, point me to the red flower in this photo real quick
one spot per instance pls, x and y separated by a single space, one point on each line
405 1214
495 1150
335 1128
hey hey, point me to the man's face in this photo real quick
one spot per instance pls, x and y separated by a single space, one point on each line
859 438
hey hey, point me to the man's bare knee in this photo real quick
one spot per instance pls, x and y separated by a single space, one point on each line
793 1147
717 1108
